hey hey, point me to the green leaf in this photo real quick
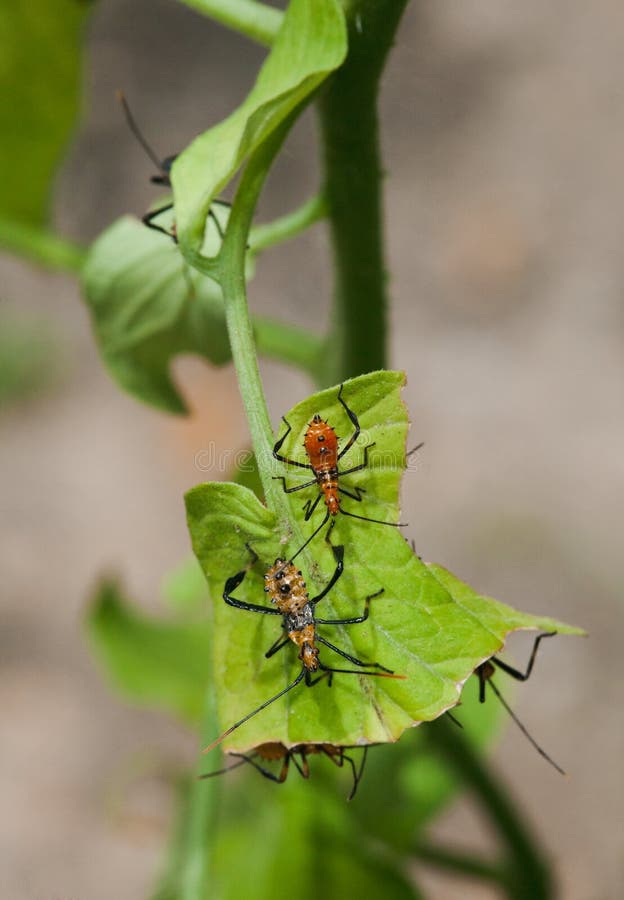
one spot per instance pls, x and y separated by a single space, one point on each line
30 354
427 625
40 68
151 662
311 43
147 306
308 843
185 589
407 785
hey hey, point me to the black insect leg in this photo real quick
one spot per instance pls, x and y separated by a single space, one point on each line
278 779
298 487
355 621
235 581
352 659
311 505
355 422
361 465
340 759
278 447
243 759
515 673
279 643
356 496
338 551
148 219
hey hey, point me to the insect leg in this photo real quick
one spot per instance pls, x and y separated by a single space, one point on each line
278 447
356 496
515 673
353 659
361 465
355 621
148 219
338 551
235 581
278 779
279 643
302 767
243 759
310 506
298 487
354 421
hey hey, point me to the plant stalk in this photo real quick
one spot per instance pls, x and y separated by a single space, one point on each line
257 21
240 329
352 186
41 246
527 873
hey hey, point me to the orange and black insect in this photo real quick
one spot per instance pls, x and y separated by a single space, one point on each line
321 446
485 672
298 755
163 177
288 593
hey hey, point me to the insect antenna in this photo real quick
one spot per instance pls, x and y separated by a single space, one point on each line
262 706
414 450
361 672
312 536
524 730
376 521
136 131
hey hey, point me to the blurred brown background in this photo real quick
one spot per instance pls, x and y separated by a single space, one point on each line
503 142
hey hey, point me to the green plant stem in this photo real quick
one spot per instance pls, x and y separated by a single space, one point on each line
461 862
352 185
289 226
527 873
240 330
201 826
255 20
41 246
288 344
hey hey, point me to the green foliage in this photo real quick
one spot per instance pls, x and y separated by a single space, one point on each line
29 361
427 625
204 661
147 306
152 662
291 835
40 63
310 44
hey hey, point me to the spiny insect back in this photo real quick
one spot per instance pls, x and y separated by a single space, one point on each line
290 599
321 446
